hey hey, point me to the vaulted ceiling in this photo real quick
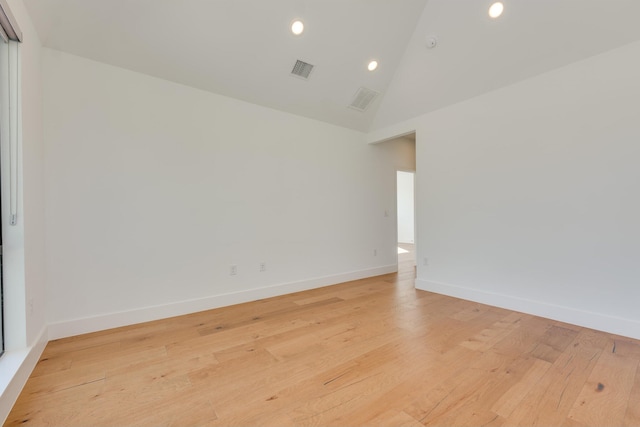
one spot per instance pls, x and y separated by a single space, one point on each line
244 48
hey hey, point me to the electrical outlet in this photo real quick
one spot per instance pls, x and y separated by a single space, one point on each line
425 261
263 267
375 252
233 270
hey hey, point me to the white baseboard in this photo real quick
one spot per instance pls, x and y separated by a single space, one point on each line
16 366
113 320
602 322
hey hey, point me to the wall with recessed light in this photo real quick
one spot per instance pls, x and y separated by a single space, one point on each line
154 190
527 197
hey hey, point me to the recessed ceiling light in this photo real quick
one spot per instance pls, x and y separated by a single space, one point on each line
372 65
496 9
297 27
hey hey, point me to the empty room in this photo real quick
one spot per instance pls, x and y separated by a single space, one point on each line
201 219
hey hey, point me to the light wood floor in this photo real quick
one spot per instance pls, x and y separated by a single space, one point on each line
372 352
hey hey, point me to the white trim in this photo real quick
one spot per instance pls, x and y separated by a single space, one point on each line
9 23
13 271
15 128
615 325
16 367
392 132
113 320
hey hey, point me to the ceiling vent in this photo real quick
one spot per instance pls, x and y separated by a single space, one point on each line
363 98
302 69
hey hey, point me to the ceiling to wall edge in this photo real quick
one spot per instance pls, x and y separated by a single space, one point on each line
387 133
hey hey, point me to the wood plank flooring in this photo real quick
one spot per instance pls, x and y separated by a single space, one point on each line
373 352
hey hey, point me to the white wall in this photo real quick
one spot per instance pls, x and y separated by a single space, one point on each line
32 156
403 150
528 196
406 217
154 189
23 245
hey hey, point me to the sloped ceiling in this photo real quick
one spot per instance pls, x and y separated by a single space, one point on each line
476 54
244 49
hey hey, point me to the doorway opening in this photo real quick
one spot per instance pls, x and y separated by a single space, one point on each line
405 183
401 150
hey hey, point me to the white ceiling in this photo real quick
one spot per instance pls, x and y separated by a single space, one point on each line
244 49
476 54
